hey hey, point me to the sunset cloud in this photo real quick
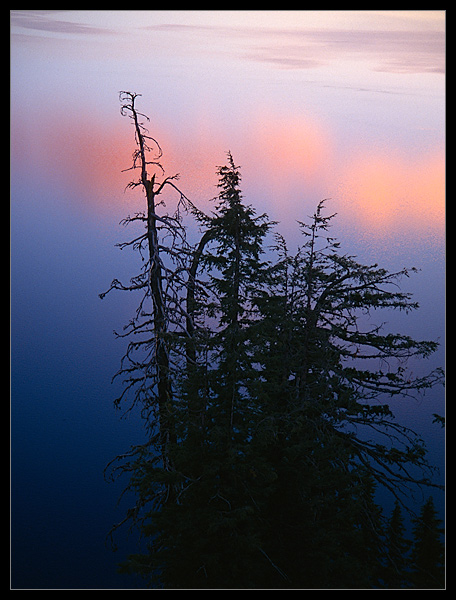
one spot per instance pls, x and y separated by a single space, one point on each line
389 50
39 20
389 191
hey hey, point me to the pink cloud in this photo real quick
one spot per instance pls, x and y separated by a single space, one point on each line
388 191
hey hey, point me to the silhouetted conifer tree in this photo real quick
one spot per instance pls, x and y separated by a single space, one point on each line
427 557
396 573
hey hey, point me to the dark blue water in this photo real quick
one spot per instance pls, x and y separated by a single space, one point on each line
64 429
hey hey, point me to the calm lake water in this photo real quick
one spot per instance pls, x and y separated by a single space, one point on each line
342 105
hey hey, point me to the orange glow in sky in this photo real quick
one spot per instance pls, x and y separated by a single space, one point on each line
280 155
388 191
286 146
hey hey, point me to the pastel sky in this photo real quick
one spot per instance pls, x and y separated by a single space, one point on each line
305 100
345 105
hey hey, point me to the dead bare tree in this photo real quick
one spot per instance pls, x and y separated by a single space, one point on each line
161 325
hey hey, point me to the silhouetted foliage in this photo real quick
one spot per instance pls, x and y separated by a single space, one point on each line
428 566
396 573
263 393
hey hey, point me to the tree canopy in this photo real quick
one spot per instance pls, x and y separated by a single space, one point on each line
264 394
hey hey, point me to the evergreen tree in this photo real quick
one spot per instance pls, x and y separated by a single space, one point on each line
334 366
396 568
428 570
320 404
233 260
